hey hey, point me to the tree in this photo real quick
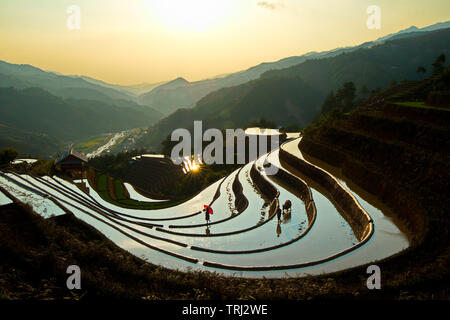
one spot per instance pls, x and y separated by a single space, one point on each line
364 90
438 65
7 155
346 96
168 145
291 128
262 123
421 70
330 103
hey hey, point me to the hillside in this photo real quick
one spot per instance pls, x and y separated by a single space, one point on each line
294 95
169 99
284 101
374 67
33 113
132 90
398 152
170 96
26 76
29 143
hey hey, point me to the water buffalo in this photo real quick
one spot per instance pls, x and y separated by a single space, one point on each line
287 205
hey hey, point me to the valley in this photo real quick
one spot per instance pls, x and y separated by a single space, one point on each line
87 178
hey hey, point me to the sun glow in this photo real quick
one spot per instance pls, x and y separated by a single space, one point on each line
192 15
190 165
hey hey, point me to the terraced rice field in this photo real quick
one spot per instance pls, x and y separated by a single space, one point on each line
320 234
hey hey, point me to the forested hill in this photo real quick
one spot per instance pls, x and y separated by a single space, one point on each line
375 67
294 95
283 100
34 112
180 93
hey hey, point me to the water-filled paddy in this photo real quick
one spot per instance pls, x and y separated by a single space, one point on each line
250 238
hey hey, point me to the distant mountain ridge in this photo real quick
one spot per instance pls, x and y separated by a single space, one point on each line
132 90
187 95
166 97
30 113
26 76
437 26
293 95
229 101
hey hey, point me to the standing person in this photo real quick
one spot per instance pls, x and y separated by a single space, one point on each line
208 211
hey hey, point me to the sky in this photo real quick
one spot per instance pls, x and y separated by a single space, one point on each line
148 41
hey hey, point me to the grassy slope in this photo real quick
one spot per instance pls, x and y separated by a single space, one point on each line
36 113
398 152
119 198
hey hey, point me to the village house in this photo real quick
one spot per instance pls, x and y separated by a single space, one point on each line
72 163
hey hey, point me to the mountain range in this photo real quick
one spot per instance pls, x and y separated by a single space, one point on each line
294 95
38 123
169 99
37 103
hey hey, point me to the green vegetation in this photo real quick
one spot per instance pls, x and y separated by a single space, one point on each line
178 187
397 151
195 181
30 144
90 145
438 65
179 190
116 164
294 94
417 104
39 168
284 101
342 101
421 70
7 155
117 195
119 190
262 123
372 67
392 148
38 113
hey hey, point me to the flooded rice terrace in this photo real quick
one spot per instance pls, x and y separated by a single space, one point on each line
312 237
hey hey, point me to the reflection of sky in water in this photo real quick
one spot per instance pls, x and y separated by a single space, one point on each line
189 207
134 195
329 235
43 207
4 199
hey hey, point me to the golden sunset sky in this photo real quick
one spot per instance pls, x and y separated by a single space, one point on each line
136 41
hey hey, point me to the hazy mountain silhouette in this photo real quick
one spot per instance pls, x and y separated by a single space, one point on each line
131 90
186 96
35 112
374 67
293 95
